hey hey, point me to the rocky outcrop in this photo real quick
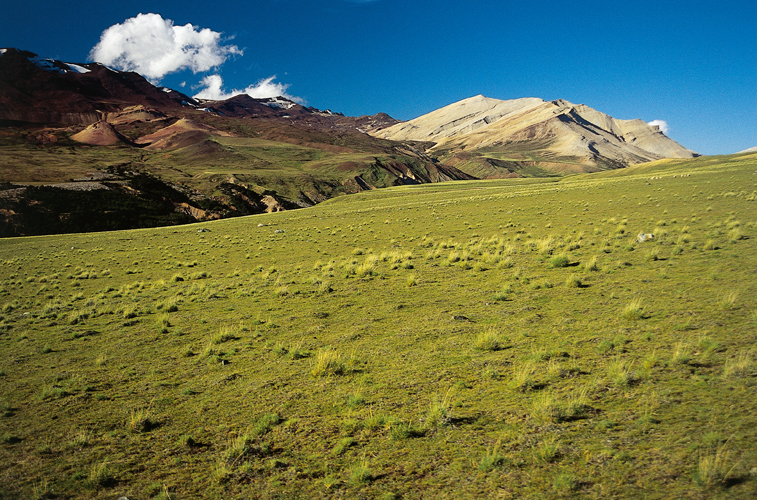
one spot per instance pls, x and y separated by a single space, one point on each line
197 213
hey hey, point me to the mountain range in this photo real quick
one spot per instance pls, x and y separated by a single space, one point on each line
150 155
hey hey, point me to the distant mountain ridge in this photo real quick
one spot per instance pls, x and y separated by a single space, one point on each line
38 90
551 131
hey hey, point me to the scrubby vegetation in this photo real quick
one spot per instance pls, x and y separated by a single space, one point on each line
470 340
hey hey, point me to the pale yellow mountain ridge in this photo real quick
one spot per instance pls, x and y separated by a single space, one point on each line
555 129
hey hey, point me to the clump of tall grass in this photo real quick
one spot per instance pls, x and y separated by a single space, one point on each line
438 413
573 281
620 374
76 317
728 302
368 267
546 407
101 359
328 362
591 264
100 476
523 379
265 423
129 312
633 310
168 305
492 459
163 323
559 261
714 466
735 235
740 366
225 334
548 450
681 353
360 473
546 245
239 448
488 340
141 420
50 310
342 445
324 288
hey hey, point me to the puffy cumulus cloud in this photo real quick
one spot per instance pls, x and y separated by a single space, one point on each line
662 124
154 47
212 88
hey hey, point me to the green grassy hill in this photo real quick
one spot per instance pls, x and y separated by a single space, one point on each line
481 339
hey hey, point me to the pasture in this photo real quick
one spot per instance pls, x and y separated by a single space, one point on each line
483 339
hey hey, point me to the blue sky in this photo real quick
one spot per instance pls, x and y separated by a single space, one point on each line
692 64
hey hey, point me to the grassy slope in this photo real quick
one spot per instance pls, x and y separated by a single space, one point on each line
165 360
312 162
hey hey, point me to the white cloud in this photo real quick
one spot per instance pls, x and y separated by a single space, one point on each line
662 124
267 87
154 47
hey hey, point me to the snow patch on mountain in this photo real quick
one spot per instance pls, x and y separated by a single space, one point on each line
54 66
77 68
278 103
46 64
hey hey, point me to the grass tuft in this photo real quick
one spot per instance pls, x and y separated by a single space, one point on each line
547 451
633 310
714 466
728 302
740 366
488 340
573 281
620 374
327 362
100 476
549 408
559 261
360 473
140 421
492 459
438 414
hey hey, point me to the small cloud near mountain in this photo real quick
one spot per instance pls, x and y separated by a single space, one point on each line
662 124
154 47
267 87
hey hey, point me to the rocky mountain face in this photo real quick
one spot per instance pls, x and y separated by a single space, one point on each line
555 135
45 91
